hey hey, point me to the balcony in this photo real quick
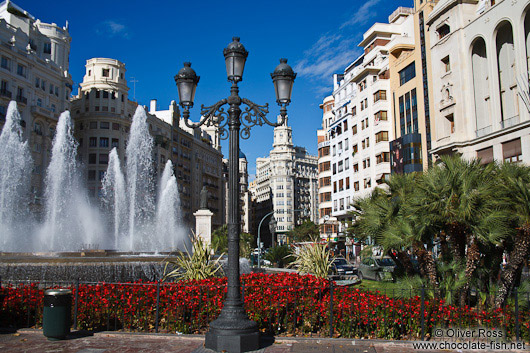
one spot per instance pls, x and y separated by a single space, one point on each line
5 93
21 99
484 131
506 123
43 112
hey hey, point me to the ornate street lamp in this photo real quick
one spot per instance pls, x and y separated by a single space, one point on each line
233 331
272 227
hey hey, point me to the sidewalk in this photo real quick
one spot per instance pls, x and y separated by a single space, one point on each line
108 342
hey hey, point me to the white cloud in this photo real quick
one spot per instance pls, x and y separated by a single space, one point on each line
113 29
335 50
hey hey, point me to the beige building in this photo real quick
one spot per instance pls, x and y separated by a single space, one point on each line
327 224
410 87
34 72
479 50
286 183
103 115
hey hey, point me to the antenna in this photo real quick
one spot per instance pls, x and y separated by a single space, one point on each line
134 81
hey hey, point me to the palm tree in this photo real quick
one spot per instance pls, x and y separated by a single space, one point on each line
387 216
515 186
458 196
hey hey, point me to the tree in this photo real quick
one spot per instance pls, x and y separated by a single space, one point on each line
515 186
280 255
307 231
220 241
314 259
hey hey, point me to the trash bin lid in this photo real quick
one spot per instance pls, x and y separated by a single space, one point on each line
58 291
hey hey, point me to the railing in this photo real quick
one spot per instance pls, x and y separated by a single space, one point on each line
510 122
5 93
22 99
312 308
483 131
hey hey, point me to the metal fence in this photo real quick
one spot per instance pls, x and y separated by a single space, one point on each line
323 311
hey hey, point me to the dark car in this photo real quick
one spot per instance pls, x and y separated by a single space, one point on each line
379 269
341 267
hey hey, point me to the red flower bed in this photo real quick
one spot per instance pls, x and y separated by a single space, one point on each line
281 304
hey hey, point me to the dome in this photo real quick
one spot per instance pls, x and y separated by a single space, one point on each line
242 155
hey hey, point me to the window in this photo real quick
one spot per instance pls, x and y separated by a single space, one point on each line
485 155
354 150
407 74
446 64
47 49
443 30
105 73
347 183
354 129
345 125
92 158
105 94
356 186
54 108
104 142
341 185
346 145
354 111
97 94
115 126
21 70
367 183
93 125
356 167
334 150
37 128
340 166
380 96
104 125
381 136
37 82
103 158
57 91
91 175
20 93
366 163
51 88
5 63
43 85
451 122
382 157
381 116
93 142
101 175
334 168
39 102
346 164
89 72
511 151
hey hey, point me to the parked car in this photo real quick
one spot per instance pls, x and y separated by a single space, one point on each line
341 267
379 269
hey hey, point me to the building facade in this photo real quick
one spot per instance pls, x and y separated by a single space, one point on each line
411 89
103 115
245 199
362 128
286 183
327 224
34 64
479 51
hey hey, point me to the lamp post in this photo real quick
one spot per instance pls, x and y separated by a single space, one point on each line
233 331
272 227
259 237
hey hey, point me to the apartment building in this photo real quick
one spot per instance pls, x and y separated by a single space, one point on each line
479 54
34 72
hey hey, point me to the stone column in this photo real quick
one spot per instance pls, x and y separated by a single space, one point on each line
203 225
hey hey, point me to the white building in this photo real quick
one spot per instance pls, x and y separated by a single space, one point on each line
360 130
286 182
34 72
327 224
479 50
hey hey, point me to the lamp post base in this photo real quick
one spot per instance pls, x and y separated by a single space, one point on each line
232 341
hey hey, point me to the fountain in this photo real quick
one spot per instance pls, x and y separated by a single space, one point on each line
15 173
114 196
129 225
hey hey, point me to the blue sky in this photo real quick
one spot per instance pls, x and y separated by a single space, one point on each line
153 39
